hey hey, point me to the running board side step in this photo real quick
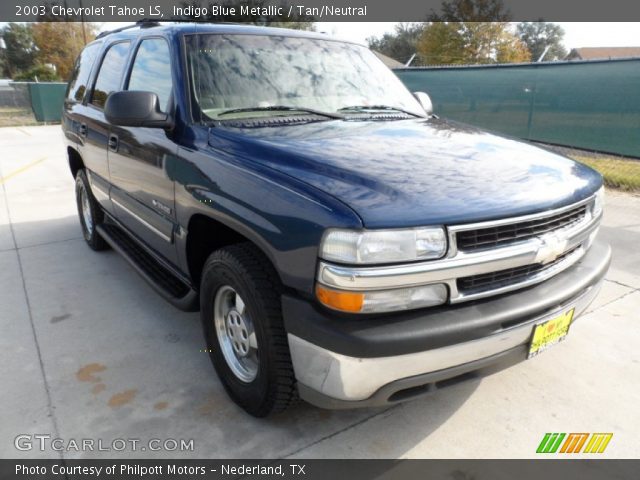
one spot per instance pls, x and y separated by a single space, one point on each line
162 280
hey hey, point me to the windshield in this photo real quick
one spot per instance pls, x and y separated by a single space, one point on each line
258 71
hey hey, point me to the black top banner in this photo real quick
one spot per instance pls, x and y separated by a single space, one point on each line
315 10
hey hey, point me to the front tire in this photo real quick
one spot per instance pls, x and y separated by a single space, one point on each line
90 213
242 320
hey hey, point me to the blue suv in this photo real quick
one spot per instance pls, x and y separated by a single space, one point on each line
342 243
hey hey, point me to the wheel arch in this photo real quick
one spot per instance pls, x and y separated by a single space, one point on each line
206 234
75 161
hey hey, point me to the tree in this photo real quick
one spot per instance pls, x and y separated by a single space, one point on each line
59 43
402 44
3 64
537 36
471 32
20 52
471 43
39 73
441 44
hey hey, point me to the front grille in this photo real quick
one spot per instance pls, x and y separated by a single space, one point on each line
503 278
489 237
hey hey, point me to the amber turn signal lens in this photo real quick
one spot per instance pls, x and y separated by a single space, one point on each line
344 301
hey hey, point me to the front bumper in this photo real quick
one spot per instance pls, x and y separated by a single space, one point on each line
344 362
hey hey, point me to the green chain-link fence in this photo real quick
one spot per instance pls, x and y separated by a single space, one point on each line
584 105
30 103
15 104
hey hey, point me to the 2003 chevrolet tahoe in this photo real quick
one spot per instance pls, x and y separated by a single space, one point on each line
341 242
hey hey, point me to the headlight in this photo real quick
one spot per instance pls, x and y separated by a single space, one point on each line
383 246
598 203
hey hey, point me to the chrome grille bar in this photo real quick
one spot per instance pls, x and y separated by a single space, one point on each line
490 237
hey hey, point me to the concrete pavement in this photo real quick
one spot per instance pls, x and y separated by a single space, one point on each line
91 352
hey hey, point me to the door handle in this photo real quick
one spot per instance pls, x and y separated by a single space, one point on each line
113 143
82 130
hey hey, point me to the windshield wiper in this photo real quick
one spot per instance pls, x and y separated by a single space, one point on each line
359 108
282 108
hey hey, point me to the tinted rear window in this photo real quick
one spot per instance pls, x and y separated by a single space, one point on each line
82 70
110 74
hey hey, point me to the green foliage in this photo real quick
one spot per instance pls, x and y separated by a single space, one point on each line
31 46
537 36
471 32
3 65
20 52
59 43
401 44
38 73
441 44
471 43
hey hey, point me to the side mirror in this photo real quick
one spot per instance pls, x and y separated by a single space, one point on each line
425 101
135 109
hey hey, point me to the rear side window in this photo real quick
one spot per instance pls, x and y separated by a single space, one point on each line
151 70
110 74
82 70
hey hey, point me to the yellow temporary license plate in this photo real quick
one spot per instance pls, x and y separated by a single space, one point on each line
549 333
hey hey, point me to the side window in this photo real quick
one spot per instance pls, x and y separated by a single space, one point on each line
110 73
80 76
151 70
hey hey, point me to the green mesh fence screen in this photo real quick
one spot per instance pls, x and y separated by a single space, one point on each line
588 105
46 100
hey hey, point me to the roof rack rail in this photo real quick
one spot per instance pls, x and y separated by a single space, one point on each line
143 23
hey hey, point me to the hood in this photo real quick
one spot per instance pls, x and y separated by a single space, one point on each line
415 172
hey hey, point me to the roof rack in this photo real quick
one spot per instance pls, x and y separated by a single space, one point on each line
143 23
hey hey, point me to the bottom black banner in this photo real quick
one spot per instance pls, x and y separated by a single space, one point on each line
320 469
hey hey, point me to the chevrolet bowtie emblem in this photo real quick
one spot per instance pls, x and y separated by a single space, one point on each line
551 247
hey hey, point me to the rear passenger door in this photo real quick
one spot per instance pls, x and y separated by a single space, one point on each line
94 128
140 159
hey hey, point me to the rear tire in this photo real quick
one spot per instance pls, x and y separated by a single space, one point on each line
90 213
242 320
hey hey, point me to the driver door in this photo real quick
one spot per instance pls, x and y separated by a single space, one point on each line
140 158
